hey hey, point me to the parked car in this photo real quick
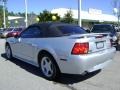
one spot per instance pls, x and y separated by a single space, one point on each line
6 31
1 31
107 28
61 48
14 32
11 32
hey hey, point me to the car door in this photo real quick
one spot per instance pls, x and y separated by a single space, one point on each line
25 44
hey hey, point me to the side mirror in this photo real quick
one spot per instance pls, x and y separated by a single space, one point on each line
88 31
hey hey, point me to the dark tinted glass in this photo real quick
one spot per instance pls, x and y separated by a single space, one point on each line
71 30
103 28
18 29
10 29
62 30
32 32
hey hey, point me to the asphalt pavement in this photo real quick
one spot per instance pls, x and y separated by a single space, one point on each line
17 75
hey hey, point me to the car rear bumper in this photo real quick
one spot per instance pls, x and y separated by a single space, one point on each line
87 63
99 66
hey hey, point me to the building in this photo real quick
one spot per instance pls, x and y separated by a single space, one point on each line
89 17
16 21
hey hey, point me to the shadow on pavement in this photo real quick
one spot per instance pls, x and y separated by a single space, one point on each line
64 78
28 67
118 48
71 79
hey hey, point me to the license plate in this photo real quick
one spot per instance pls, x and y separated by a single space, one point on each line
100 45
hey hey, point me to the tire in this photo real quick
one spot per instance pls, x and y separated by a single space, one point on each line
8 52
49 67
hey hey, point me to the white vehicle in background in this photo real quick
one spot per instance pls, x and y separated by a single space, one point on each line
61 48
5 32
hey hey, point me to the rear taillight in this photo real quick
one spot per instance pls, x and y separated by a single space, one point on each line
80 48
14 33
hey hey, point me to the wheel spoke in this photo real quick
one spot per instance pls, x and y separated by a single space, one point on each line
47 66
8 51
50 67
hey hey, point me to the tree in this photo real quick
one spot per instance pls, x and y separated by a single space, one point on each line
47 16
68 17
116 8
4 11
1 15
20 14
1 12
11 13
32 18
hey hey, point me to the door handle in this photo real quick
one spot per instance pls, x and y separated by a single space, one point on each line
34 45
28 43
12 41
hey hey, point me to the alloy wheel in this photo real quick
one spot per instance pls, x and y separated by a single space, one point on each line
8 52
47 66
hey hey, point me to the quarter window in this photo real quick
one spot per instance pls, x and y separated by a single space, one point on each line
32 32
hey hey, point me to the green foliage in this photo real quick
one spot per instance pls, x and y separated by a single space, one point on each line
11 14
116 5
116 9
32 18
68 17
16 14
1 16
47 16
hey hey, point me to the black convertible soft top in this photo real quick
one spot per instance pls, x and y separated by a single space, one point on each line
56 29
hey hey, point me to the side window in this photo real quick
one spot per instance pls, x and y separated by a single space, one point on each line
32 32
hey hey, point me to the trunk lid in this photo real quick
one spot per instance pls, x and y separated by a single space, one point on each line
97 41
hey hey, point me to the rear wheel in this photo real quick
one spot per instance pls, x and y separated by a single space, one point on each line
8 51
49 67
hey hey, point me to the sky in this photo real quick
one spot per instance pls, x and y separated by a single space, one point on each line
38 5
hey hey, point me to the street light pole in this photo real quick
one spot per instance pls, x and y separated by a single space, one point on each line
117 13
4 14
79 12
26 10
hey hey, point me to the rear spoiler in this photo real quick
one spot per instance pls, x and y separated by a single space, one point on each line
90 35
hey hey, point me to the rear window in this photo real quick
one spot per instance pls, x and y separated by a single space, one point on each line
10 29
71 30
18 29
65 30
103 29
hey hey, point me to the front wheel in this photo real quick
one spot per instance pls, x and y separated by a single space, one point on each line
8 52
49 67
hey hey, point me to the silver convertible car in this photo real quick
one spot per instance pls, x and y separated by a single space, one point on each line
61 48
